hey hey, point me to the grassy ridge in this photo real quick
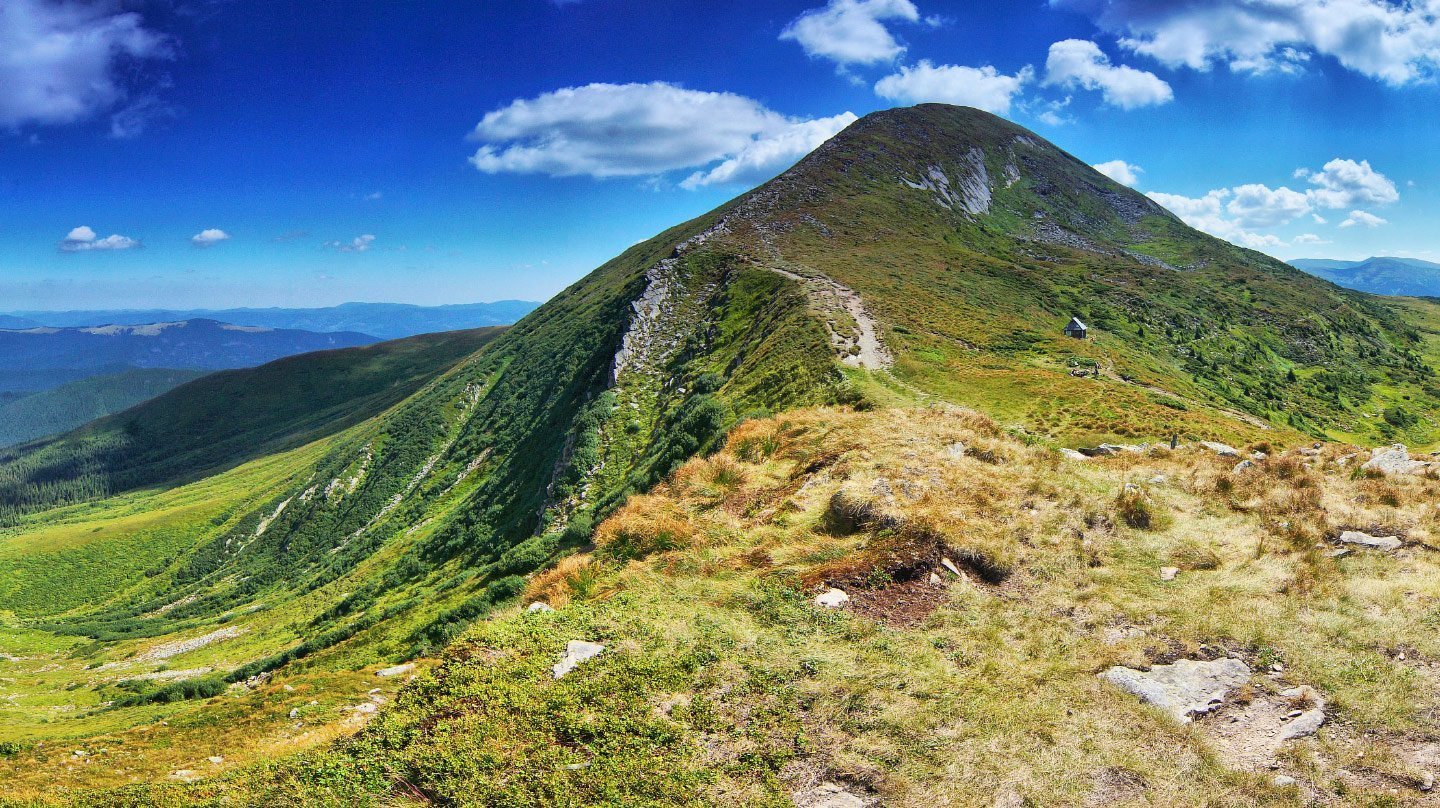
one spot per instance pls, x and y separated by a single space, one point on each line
225 418
53 411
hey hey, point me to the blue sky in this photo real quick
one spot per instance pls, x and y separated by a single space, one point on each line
194 153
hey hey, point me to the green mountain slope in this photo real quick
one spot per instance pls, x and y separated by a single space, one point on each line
923 255
70 405
224 418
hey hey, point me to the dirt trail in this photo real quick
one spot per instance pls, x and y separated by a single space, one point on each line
861 349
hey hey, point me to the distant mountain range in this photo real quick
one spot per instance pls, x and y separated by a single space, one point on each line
382 320
40 358
1410 277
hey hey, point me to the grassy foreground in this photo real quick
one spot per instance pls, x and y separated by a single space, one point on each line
723 682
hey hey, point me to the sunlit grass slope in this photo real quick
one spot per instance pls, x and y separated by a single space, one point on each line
723 683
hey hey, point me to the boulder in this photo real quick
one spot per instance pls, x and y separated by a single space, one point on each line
576 651
828 795
1394 460
1304 724
1284 780
832 598
539 606
1071 454
1243 465
1224 450
1187 687
1306 721
396 670
1169 573
1384 543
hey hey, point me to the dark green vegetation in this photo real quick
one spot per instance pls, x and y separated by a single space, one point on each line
335 511
59 410
1378 276
223 419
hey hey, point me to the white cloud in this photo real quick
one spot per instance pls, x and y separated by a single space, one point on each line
1081 63
851 32
85 239
628 130
358 244
1345 184
765 156
981 87
1120 171
374 196
1308 238
1256 205
1207 213
1394 42
1362 219
61 62
209 238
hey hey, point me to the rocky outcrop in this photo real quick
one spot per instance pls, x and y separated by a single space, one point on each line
1395 460
1183 689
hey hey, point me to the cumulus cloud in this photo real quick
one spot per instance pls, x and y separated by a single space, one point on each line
1346 183
1394 42
851 32
85 239
981 87
1308 238
628 130
63 61
1257 205
1080 63
358 244
1120 171
1359 218
209 238
759 159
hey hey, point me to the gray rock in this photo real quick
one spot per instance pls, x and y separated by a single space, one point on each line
576 651
1284 780
1385 543
828 795
1304 724
396 670
1071 454
539 606
1187 687
1394 460
832 598
1243 465
1169 573
1224 450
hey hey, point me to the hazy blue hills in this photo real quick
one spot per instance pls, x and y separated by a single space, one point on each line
41 358
383 320
1378 276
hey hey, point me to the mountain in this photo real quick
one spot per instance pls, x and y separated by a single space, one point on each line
831 321
224 418
383 320
9 321
43 357
70 405
1378 276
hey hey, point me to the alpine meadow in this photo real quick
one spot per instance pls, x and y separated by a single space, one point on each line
938 467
